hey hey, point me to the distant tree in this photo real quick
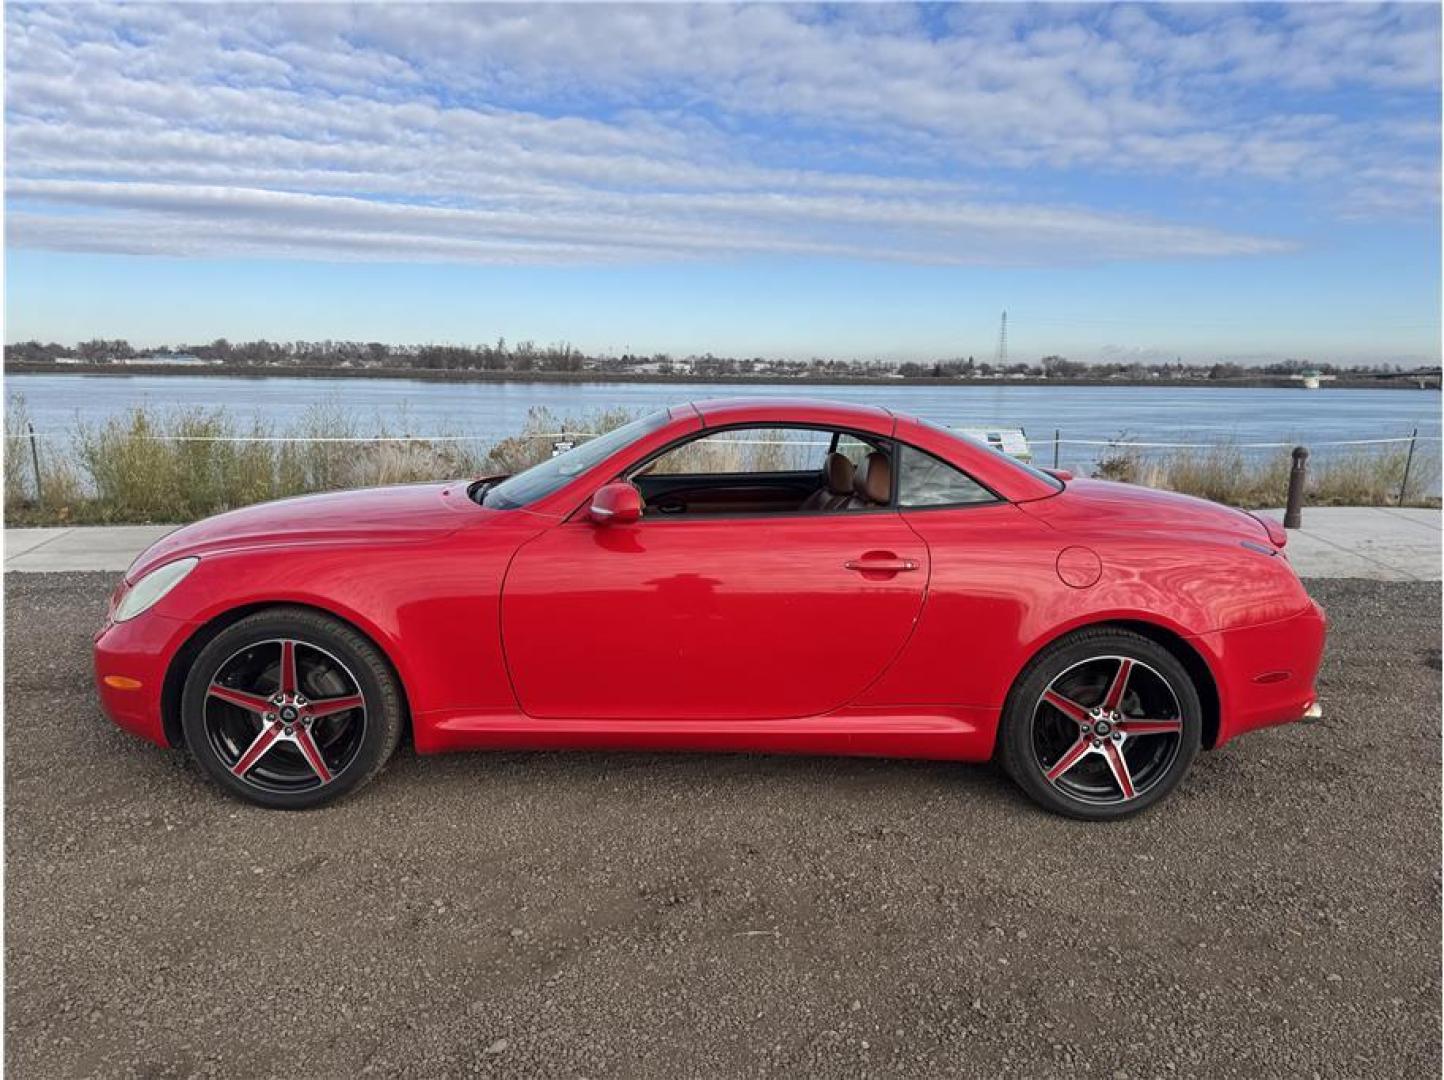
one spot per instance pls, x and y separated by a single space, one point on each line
34 352
1058 367
220 349
103 351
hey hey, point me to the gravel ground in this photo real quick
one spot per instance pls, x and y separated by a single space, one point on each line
643 915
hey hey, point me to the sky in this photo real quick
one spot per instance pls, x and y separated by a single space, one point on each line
1234 182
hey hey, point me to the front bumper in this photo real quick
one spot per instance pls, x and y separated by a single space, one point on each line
1267 673
131 661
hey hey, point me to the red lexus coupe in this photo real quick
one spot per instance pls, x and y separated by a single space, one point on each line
767 576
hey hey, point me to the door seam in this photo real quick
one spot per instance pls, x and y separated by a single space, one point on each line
912 630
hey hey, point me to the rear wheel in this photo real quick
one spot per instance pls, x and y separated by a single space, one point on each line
1102 724
289 709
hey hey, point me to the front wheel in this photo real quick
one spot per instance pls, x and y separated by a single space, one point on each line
1102 724
289 709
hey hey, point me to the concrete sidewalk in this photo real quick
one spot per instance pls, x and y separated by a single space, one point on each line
1381 543
109 547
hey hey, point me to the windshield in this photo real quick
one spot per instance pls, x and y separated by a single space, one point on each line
544 478
1032 470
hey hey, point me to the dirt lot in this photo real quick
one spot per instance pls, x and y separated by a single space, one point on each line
611 915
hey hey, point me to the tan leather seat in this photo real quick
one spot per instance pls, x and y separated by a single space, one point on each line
872 484
837 489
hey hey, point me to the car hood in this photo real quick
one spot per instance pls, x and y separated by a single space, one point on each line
1106 504
405 513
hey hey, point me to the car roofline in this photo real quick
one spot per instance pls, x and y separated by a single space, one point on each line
727 412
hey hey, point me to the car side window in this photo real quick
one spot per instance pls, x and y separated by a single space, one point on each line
853 448
767 469
924 480
733 451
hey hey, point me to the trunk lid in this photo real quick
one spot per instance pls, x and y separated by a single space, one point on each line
1103 503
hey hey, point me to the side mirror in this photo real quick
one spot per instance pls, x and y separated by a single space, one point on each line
615 504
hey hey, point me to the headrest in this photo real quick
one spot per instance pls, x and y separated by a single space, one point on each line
874 480
839 471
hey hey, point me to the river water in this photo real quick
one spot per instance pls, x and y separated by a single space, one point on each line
496 409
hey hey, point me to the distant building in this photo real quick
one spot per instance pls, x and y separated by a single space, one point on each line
170 360
1311 378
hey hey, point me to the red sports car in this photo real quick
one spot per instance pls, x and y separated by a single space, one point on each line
767 576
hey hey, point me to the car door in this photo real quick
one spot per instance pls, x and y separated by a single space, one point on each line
712 617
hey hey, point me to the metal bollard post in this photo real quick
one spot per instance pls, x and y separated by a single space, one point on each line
1056 433
1408 462
35 461
1293 511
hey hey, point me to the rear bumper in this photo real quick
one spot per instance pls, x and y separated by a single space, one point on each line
131 659
1267 673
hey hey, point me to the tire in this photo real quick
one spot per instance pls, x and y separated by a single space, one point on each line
291 745
1086 745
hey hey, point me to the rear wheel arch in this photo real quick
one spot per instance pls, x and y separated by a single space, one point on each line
180 664
1192 660
1195 664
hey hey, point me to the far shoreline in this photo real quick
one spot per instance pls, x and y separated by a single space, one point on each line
433 375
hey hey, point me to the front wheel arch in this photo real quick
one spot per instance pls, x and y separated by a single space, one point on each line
1192 660
180 664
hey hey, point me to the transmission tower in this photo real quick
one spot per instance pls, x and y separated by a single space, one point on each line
1001 359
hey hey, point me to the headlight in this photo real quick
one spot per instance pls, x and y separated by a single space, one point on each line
147 592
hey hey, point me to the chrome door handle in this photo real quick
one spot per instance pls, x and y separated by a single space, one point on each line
881 566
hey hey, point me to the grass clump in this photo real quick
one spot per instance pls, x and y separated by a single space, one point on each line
165 466
1227 474
56 490
176 467
543 429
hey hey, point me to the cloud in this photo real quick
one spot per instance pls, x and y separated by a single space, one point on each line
606 227
668 132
